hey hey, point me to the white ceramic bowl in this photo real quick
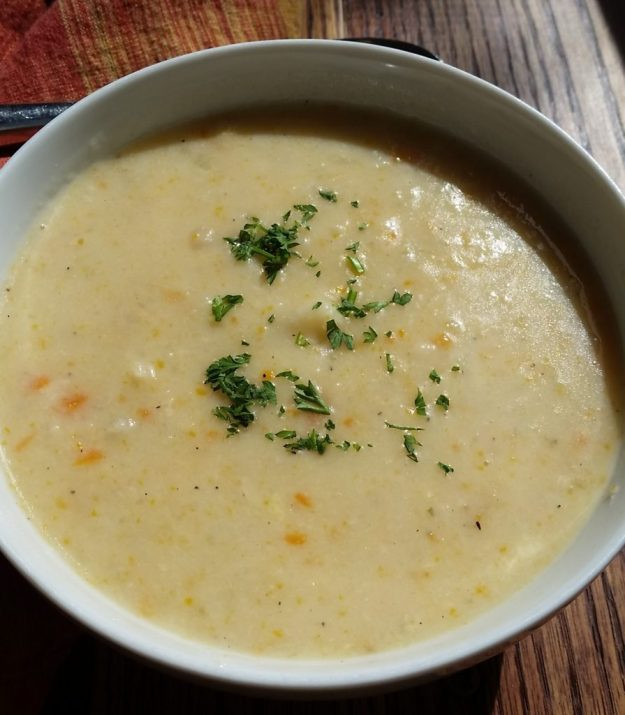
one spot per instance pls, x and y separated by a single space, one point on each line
228 78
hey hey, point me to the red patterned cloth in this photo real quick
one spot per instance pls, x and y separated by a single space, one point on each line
60 50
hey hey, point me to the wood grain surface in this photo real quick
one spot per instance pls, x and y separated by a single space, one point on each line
566 58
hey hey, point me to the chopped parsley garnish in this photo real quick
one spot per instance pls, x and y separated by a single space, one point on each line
273 244
286 434
307 398
355 203
311 262
243 395
389 362
455 368
330 425
317 305
362 226
328 195
369 335
271 318
244 342
435 377
353 247
443 401
221 305
307 211
348 305
402 427
355 265
401 298
269 436
411 444
419 403
447 469
302 340
313 442
388 333
397 298
337 337
289 375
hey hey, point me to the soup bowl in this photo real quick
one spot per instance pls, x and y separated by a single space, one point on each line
251 76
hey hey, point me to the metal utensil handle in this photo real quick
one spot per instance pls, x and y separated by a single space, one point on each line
27 116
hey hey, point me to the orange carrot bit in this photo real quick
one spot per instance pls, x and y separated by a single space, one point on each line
24 442
89 457
303 499
295 538
73 402
39 382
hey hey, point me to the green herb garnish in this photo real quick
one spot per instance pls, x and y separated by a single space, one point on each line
302 340
445 467
355 265
389 362
435 377
313 442
328 195
289 375
369 335
348 305
355 204
455 368
307 398
401 427
443 401
271 318
222 377
337 337
286 434
317 305
307 211
362 226
401 298
411 444
330 425
221 305
311 262
419 403
273 244
353 247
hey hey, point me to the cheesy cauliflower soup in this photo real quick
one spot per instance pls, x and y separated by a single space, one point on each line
302 385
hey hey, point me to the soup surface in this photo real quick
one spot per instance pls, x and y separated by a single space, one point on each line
322 449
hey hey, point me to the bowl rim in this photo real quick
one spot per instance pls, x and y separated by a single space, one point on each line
360 673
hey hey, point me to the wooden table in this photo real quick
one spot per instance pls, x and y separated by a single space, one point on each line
564 57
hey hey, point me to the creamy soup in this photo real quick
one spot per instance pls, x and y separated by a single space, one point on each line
373 411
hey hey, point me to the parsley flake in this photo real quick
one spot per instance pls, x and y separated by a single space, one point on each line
443 401
289 375
313 442
435 377
355 203
243 395
302 340
355 265
369 335
308 399
419 403
389 362
328 195
411 444
447 469
337 337
402 427
317 305
222 305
